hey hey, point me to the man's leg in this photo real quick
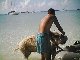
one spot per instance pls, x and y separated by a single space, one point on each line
42 56
46 56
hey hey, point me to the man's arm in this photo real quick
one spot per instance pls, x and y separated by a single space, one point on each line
58 25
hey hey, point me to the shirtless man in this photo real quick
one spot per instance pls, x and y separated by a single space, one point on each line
43 41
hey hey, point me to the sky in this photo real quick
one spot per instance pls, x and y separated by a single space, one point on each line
38 5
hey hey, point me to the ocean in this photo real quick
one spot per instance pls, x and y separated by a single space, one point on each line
13 28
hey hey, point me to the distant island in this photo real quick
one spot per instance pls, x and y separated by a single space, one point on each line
13 12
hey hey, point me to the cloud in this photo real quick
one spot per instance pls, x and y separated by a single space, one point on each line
65 1
22 5
26 2
4 5
41 4
53 4
30 5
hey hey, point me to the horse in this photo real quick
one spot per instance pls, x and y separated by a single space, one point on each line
28 44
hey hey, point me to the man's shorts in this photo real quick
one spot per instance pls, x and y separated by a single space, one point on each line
43 43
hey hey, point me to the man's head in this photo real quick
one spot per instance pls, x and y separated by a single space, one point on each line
51 11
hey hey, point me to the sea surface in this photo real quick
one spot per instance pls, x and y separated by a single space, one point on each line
13 28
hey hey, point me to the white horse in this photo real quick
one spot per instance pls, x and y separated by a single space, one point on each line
28 44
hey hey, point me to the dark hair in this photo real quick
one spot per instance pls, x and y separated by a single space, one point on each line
51 11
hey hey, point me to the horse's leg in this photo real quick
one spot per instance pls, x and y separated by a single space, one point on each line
26 54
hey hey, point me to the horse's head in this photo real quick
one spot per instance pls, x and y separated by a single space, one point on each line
58 38
63 39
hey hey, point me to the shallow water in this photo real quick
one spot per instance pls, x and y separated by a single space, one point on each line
15 27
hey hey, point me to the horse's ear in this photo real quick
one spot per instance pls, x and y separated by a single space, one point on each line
63 39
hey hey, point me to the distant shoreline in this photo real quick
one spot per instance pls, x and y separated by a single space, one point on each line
36 12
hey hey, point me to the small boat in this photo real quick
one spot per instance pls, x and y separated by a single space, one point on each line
13 13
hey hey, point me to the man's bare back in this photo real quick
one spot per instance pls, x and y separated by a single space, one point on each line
46 23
